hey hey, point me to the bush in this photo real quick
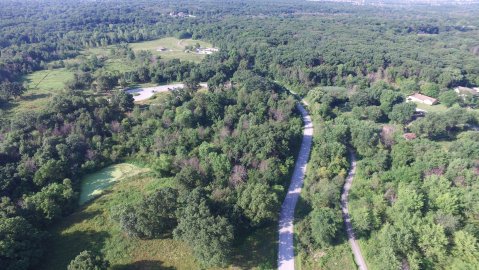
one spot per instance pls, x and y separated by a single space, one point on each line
325 225
152 217
86 260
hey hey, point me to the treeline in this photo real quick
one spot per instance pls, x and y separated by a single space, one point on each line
339 50
354 51
90 72
33 33
26 46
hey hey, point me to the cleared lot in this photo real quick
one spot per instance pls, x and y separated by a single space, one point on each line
140 94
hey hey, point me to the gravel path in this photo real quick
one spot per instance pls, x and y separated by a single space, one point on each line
286 246
358 257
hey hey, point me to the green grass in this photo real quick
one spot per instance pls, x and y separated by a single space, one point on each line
258 250
120 65
96 183
48 80
175 48
41 86
91 227
337 257
431 108
438 108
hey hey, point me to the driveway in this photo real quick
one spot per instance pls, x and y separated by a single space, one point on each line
286 246
358 257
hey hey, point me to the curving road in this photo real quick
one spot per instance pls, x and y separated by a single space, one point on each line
358 257
286 247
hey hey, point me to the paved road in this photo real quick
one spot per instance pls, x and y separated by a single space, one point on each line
358 257
286 247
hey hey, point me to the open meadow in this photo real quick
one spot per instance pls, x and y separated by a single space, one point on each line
93 185
91 227
173 48
41 86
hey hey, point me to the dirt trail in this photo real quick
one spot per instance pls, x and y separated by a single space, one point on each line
286 233
358 257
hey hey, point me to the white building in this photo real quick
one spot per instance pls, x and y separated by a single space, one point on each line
466 91
420 98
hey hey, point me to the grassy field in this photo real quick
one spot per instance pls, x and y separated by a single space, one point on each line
91 228
431 108
48 80
175 48
437 108
96 183
337 257
41 86
258 250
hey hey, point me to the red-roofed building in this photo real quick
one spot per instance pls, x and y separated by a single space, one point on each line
409 136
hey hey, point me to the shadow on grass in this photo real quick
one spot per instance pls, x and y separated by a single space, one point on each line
6 106
143 265
133 86
303 208
35 96
259 249
64 247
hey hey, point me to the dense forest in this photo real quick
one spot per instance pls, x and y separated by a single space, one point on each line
230 149
413 200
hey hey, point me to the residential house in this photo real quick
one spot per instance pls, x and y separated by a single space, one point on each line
420 98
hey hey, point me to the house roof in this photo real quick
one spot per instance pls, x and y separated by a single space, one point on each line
409 136
423 97
467 90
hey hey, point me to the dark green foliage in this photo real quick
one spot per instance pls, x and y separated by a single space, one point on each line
123 101
402 113
259 204
322 226
448 98
86 260
152 217
20 243
51 202
326 224
209 235
10 90
365 137
105 81
437 125
430 89
389 99
235 141
373 113
81 81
